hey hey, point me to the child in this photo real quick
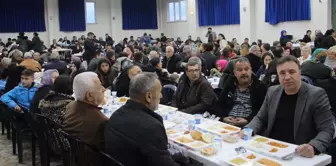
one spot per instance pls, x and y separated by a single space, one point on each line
22 94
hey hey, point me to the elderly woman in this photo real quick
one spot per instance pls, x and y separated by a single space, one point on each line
47 82
314 69
305 54
331 58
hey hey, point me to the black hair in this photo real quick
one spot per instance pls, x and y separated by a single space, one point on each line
265 55
209 28
138 56
98 52
208 47
278 52
90 33
231 45
118 50
222 36
110 54
254 43
155 61
246 39
35 34
226 53
123 54
267 46
329 32
63 84
288 58
308 31
276 43
27 72
145 34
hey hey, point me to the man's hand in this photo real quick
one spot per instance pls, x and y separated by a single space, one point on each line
305 150
229 119
241 122
17 108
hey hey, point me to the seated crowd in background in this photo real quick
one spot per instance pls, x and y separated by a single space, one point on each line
279 90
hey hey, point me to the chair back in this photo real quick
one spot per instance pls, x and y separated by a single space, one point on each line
217 92
168 92
81 153
307 80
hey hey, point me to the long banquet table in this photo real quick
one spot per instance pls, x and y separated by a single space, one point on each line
228 149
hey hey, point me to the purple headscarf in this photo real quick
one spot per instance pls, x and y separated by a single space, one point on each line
47 77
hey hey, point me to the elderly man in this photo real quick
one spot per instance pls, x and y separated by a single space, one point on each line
153 54
37 58
30 63
194 93
295 112
83 118
171 61
56 63
129 132
94 62
254 58
266 48
242 95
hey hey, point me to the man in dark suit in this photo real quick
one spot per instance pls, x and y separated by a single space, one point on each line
89 48
171 61
295 112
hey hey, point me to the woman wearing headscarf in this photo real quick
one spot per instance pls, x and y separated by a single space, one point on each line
329 39
314 69
284 38
105 73
123 80
45 86
221 65
318 39
76 68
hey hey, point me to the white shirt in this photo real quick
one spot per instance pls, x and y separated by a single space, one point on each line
301 60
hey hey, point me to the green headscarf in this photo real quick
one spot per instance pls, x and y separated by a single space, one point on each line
312 58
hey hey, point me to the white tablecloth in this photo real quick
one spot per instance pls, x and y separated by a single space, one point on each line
228 151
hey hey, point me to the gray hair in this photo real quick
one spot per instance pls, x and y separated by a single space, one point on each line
153 54
332 49
253 48
187 49
28 55
83 83
6 61
194 61
308 48
141 84
240 60
54 55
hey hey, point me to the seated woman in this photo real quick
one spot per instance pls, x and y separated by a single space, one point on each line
266 59
76 68
314 69
45 86
105 73
54 104
221 65
123 80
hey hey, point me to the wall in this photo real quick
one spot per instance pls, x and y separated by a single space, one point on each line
252 23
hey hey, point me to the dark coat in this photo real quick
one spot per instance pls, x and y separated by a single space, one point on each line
90 50
328 42
24 44
195 98
315 71
39 95
210 62
14 76
37 44
59 65
204 69
172 64
306 39
329 86
130 139
255 61
122 84
258 92
106 79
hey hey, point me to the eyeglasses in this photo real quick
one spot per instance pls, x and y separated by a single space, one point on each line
193 71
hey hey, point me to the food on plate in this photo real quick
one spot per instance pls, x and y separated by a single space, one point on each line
277 144
184 140
207 138
223 132
231 128
273 150
196 135
171 131
231 138
261 139
251 156
187 132
122 99
268 162
208 151
197 144
238 161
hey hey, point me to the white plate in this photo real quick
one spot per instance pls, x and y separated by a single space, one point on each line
251 162
192 144
217 128
168 124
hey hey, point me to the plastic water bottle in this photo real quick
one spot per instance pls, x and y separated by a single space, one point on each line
106 109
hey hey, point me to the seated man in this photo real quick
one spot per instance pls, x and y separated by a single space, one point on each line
21 95
30 63
123 80
242 95
129 134
94 62
83 118
194 93
295 112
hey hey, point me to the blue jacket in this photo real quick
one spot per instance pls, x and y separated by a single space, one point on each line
19 96
146 40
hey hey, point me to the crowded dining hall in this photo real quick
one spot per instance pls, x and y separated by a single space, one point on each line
168 83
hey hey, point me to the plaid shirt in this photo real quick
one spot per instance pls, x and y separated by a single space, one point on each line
242 107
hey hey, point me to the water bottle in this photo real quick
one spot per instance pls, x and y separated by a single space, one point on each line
218 143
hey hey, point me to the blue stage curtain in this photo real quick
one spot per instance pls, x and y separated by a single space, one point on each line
138 14
22 16
218 12
287 10
72 15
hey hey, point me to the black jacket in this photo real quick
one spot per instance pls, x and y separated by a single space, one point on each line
329 86
210 61
173 64
37 44
135 136
90 50
186 59
306 39
13 77
255 62
258 92
315 71
39 95
328 42
194 98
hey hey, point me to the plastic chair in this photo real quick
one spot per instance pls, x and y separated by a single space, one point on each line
168 92
307 80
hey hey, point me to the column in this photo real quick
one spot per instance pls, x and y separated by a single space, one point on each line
247 20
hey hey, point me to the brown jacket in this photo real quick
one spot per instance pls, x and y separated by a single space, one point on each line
31 64
86 122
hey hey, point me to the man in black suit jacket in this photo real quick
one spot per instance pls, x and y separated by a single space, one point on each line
171 61
89 48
